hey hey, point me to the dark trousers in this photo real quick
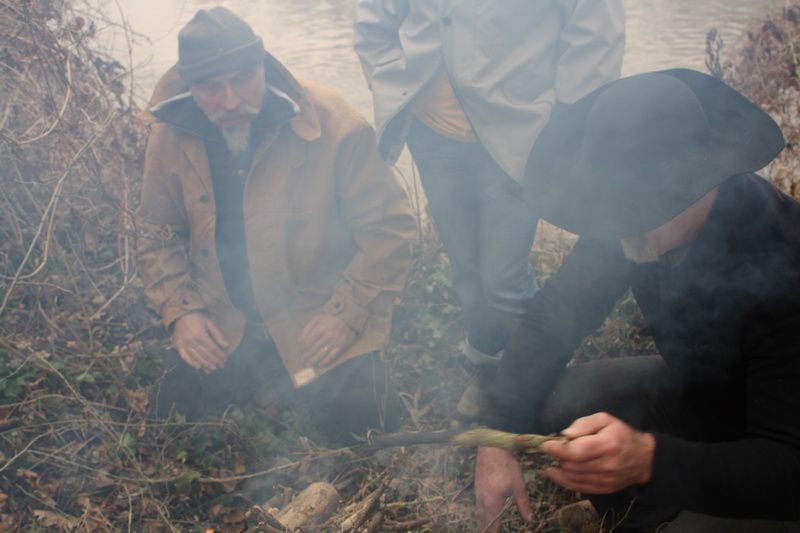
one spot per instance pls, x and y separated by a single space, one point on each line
487 231
349 399
636 390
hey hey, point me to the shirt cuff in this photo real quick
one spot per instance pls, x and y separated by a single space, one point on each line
343 305
185 302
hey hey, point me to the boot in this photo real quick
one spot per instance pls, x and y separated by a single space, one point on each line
482 368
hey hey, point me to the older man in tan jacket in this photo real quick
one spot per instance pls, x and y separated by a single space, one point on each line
275 239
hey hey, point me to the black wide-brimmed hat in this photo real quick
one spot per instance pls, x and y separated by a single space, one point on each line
637 152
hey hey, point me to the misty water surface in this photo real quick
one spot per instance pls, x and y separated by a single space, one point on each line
314 39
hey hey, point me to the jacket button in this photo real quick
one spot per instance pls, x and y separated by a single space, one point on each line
241 172
204 199
447 21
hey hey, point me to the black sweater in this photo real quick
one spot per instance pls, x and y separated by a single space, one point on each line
726 321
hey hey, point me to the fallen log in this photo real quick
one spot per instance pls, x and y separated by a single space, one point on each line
310 508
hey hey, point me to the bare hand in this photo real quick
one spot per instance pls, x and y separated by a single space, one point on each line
325 337
199 342
604 455
498 476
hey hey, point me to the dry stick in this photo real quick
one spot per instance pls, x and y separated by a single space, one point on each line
170 479
38 51
4 118
65 398
402 504
11 210
46 249
53 325
363 510
164 514
50 211
16 370
408 524
130 70
60 115
96 315
22 451
47 284
374 523
506 507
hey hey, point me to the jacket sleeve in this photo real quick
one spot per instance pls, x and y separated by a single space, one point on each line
571 305
376 210
591 46
751 477
375 32
162 245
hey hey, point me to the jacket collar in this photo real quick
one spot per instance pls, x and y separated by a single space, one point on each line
171 102
183 112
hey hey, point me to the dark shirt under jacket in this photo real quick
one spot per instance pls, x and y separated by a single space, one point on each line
228 177
726 321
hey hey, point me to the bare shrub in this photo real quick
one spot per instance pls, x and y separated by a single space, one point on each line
764 66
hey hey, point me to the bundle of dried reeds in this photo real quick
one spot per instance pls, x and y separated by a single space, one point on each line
473 438
512 442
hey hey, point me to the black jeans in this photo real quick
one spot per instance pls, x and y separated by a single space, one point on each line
487 231
349 399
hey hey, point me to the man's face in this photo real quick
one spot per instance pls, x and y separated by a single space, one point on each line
679 232
231 101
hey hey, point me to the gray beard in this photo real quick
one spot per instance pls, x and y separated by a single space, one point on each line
238 138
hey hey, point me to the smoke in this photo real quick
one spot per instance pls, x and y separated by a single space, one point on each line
433 482
639 250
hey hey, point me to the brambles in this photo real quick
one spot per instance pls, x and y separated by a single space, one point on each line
764 65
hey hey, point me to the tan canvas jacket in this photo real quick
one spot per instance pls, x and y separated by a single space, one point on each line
328 228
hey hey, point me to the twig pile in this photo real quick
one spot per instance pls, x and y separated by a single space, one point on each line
69 159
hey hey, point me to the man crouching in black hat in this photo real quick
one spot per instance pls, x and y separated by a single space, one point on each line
655 173
275 239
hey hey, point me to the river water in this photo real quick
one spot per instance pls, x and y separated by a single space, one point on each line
314 39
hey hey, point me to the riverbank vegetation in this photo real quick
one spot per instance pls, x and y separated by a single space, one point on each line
79 350
764 65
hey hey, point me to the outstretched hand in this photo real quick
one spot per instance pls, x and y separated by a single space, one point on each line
498 476
604 455
325 337
199 342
